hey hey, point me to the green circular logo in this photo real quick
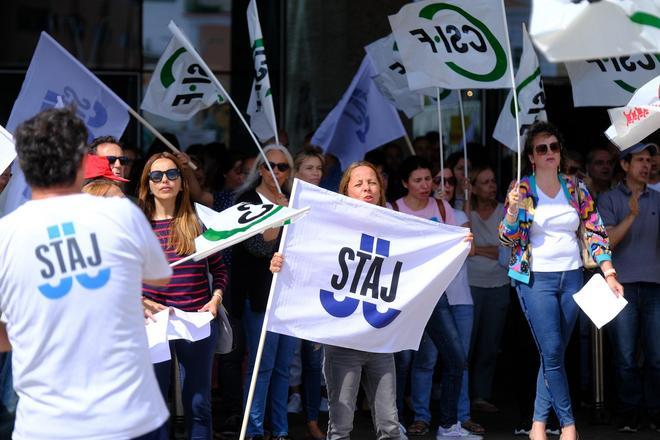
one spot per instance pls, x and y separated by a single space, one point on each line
499 70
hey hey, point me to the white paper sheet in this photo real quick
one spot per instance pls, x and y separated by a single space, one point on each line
598 301
172 324
159 346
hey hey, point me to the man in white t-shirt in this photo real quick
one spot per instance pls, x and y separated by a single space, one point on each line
70 285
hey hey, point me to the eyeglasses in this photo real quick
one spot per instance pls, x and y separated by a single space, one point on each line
451 181
171 174
542 149
123 160
282 166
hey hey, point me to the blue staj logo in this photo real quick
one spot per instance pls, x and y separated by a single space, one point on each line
62 255
93 115
370 258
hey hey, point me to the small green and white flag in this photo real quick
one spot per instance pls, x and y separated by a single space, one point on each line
179 87
610 82
453 44
570 30
531 98
260 107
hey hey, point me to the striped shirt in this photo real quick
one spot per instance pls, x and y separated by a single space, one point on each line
188 288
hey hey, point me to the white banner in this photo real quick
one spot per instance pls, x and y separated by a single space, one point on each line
531 99
7 149
360 276
610 82
637 120
570 30
260 107
179 86
453 44
236 224
391 78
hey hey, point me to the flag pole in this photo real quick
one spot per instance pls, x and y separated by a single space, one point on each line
407 138
465 158
190 48
514 92
262 336
442 154
156 133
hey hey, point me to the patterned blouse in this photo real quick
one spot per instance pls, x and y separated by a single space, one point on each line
516 235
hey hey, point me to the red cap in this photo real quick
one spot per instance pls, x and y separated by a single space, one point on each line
97 166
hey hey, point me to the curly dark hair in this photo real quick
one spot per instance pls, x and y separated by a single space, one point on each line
545 128
50 147
103 140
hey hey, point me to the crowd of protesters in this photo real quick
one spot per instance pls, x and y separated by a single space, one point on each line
525 249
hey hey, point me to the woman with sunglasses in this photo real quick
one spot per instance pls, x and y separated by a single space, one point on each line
165 199
543 214
251 281
345 368
447 334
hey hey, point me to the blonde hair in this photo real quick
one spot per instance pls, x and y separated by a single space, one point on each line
102 188
306 153
185 226
346 178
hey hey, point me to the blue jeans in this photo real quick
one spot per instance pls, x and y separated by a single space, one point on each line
311 354
446 343
638 321
402 362
547 302
195 364
464 318
273 377
157 434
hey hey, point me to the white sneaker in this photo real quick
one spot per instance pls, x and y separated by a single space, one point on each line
295 404
455 431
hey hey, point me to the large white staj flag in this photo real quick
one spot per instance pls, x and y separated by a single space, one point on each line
361 121
179 86
453 44
391 76
260 107
7 149
531 98
570 30
638 119
360 276
610 82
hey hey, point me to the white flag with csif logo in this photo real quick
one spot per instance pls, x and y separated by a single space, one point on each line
610 82
531 98
369 282
570 30
453 44
179 86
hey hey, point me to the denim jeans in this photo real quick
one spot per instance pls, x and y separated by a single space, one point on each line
8 397
447 343
402 362
344 370
157 434
638 321
490 309
547 302
195 364
273 377
311 354
464 318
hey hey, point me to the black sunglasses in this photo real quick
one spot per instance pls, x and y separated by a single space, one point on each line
157 176
122 159
282 166
448 181
542 149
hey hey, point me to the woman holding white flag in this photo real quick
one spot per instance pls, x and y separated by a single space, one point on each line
544 212
345 367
